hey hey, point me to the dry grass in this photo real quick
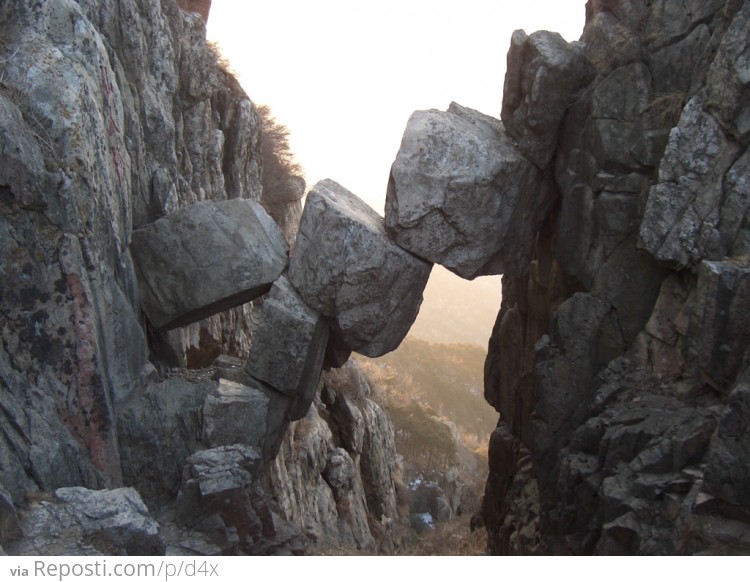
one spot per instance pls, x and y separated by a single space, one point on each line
451 538
666 108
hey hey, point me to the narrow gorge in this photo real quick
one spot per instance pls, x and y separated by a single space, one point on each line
176 365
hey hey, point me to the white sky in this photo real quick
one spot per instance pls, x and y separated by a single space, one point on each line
344 76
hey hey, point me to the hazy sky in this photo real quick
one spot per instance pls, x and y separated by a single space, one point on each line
344 76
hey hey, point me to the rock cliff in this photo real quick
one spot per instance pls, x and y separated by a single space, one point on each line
619 362
132 220
613 194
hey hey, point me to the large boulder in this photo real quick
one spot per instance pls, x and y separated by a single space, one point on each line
293 334
345 267
206 258
461 195
544 74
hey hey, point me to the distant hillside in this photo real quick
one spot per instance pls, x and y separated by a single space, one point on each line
448 378
457 311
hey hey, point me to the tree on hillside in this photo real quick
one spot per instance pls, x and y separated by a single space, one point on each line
282 180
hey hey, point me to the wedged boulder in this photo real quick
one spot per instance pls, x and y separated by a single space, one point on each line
462 195
345 267
247 413
206 258
79 521
289 346
544 75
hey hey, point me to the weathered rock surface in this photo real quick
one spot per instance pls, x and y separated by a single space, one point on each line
345 267
79 521
221 498
113 115
290 346
619 361
206 258
159 427
335 472
544 74
462 195
247 413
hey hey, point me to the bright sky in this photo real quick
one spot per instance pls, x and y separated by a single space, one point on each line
345 75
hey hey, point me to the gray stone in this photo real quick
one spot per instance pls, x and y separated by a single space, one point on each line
289 346
10 528
462 195
544 75
79 521
681 222
249 413
728 83
339 471
728 464
719 328
345 267
205 259
158 428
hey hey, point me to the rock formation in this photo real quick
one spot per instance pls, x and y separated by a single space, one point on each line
613 195
205 259
618 363
130 177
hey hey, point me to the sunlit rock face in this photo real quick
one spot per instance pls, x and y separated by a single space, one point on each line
620 360
462 195
345 267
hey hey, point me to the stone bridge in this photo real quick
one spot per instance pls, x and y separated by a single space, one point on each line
461 193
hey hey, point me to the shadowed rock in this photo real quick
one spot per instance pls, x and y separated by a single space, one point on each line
289 347
205 259
345 267
544 74
462 195
248 413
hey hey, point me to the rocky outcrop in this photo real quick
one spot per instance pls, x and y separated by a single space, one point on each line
619 360
335 473
117 122
293 333
345 267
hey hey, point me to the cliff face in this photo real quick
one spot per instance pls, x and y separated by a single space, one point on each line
116 113
619 362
